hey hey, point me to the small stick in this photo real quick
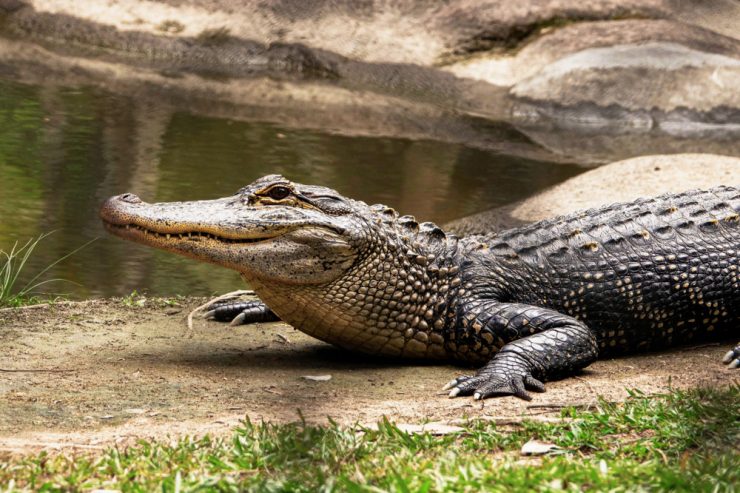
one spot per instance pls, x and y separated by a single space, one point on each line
559 406
227 296
45 305
551 406
513 420
37 370
55 445
28 307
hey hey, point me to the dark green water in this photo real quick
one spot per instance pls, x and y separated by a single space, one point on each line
64 150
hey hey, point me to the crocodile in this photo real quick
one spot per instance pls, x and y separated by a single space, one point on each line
531 304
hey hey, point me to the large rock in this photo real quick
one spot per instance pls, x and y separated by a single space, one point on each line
638 73
398 31
617 182
636 63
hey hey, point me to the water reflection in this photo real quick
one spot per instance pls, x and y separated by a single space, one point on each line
64 150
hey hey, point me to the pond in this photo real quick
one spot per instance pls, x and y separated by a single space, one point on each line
63 150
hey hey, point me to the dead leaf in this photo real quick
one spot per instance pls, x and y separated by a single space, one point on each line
317 378
535 447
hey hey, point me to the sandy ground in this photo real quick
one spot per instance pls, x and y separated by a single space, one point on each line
91 374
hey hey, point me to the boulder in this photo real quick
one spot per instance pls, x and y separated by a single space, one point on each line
621 181
640 74
643 66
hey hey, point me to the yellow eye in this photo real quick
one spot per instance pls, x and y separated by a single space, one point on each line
278 192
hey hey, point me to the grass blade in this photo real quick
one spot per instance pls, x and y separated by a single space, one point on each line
14 262
29 287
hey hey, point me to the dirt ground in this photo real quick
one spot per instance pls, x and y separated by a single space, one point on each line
90 374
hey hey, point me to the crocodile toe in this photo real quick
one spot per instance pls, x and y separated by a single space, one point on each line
486 385
732 358
456 381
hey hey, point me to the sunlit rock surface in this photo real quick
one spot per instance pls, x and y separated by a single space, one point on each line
644 65
616 182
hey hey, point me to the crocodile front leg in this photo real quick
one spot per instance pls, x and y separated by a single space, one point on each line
556 345
241 312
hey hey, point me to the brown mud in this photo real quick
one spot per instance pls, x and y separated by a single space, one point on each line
92 374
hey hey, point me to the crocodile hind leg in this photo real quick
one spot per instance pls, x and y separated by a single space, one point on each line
241 312
732 358
542 344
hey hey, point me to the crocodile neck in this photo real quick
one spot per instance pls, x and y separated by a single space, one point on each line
397 300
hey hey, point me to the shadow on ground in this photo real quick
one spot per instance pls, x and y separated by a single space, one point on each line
90 374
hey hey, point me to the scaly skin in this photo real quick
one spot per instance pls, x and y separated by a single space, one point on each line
532 304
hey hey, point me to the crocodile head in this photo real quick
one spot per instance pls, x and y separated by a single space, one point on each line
333 267
273 230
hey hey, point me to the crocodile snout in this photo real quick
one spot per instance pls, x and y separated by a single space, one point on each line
115 209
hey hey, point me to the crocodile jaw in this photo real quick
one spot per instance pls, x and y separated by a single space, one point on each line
258 243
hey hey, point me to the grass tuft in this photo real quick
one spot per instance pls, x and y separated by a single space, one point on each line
12 263
679 441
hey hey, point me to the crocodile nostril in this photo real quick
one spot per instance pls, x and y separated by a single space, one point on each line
130 198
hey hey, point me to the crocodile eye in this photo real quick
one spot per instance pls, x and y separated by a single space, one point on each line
278 193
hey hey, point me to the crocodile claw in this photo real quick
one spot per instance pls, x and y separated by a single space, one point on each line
486 385
237 320
454 382
732 358
240 312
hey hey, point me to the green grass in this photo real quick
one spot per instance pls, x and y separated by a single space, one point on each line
680 441
14 262
136 299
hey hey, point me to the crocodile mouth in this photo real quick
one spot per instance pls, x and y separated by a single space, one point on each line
142 234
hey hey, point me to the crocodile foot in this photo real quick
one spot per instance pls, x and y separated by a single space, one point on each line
504 375
241 312
483 386
732 358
